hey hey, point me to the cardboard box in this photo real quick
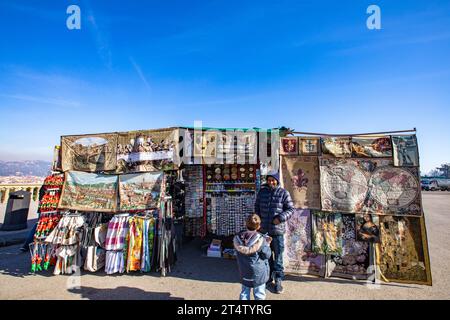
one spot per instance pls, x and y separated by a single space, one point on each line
228 254
215 249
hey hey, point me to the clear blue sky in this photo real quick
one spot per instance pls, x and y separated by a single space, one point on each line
308 65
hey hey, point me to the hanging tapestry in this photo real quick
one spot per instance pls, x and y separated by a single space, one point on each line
185 150
140 191
343 184
367 228
309 146
369 186
298 257
89 192
90 153
300 176
373 147
149 150
355 260
205 144
289 146
402 255
247 148
338 147
327 232
395 190
406 153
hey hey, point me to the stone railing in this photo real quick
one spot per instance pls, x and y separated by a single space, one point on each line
6 189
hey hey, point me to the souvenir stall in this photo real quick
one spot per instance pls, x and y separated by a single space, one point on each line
222 173
112 208
358 207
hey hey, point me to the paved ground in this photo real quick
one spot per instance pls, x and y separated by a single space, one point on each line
198 277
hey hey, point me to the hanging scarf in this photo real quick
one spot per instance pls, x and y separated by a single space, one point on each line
135 244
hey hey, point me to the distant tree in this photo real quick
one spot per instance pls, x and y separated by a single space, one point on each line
444 170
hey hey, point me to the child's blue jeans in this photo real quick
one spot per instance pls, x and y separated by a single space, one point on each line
258 292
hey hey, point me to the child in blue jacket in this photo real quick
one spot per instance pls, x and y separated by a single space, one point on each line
253 253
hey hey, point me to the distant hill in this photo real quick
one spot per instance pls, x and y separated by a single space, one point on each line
37 168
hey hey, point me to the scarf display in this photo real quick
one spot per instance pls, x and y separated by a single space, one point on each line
63 243
194 192
116 244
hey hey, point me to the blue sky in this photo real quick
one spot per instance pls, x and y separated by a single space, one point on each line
309 65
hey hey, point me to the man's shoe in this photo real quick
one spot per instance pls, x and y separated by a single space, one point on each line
278 287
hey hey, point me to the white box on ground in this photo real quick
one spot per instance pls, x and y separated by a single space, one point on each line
215 249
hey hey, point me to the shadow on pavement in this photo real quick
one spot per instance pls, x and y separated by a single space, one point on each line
121 293
309 278
192 264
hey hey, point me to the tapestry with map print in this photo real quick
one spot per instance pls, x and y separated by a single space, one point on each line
298 257
369 186
91 153
402 255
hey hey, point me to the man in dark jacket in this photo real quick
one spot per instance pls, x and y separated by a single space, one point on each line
274 205
253 253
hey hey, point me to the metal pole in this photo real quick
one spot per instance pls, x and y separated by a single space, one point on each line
351 134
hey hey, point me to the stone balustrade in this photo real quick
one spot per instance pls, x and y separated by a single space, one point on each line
6 189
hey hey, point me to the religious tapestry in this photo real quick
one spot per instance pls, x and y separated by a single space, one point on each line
402 255
300 176
140 191
327 232
186 147
298 257
91 153
147 150
289 146
89 192
205 144
371 147
369 186
367 228
355 260
309 146
406 152
247 147
337 146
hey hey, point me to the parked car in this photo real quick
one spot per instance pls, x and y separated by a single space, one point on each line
429 185
443 184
